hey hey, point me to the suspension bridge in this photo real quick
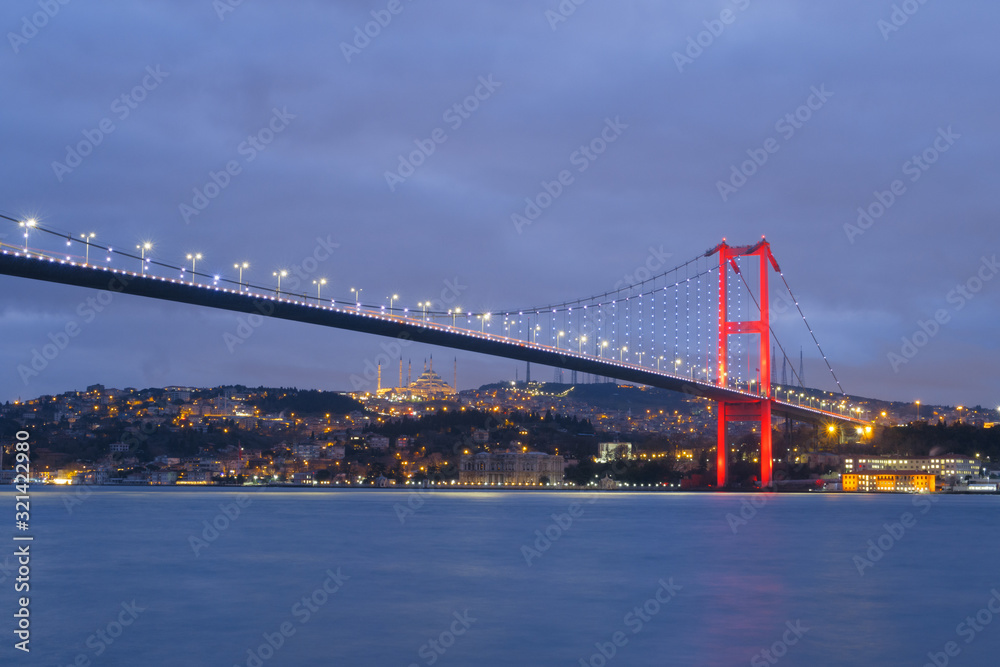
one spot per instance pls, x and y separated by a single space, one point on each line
702 327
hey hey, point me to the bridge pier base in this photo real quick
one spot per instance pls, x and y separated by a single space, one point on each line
745 411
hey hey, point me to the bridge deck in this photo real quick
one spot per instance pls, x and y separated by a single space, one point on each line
381 324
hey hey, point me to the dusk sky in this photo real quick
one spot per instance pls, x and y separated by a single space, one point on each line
836 101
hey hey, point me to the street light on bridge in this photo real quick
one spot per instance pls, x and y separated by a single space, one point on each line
621 353
604 344
558 336
194 258
319 286
357 296
27 224
482 324
86 240
583 339
142 254
391 299
240 267
279 274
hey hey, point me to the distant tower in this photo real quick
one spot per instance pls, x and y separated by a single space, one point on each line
400 385
378 386
802 371
784 370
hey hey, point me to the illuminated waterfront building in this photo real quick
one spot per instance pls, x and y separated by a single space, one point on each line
947 465
889 481
510 468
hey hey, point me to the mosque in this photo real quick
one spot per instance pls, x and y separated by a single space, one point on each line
429 386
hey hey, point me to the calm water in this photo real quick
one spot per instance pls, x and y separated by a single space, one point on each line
381 583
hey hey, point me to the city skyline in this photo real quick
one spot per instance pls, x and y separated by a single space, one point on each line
303 145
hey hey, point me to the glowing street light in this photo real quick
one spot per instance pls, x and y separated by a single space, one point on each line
391 299
454 312
583 339
658 360
621 353
482 324
423 306
640 357
918 410
86 240
240 267
142 254
604 344
279 275
558 336
194 258
27 224
319 285
357 296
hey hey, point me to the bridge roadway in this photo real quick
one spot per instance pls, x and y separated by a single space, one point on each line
380 324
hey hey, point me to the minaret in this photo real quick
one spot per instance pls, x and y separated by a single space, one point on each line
409 371
378 386
784 370
400 385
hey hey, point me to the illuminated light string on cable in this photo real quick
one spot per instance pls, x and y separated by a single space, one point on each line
687 321
739 339
677 332
811 333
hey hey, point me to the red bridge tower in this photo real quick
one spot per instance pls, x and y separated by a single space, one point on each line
752 409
